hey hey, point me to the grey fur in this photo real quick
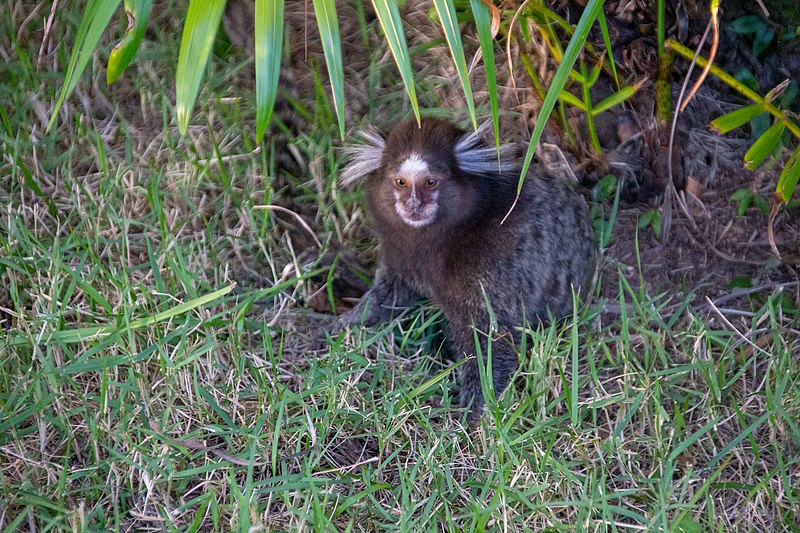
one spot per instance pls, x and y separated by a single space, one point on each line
363 159
475 157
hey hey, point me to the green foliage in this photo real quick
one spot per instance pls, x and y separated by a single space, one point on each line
737 118
269 23
138 13
140 389
587 81
550 25
389 18
328 25
651 219
752 26
483 25
581 32
447 17
199 30
202 22
93 23
764 106
607 187
746 198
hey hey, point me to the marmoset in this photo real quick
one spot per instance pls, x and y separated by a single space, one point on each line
437 198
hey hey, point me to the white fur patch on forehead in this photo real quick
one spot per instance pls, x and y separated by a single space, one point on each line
413 165
473 156
362 159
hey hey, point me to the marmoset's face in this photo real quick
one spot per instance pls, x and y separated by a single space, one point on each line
416 188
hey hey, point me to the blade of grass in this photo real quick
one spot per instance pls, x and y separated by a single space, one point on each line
601 20
199 30
739 438
425 386
138 12
447 16
570 99
483 23
269 40
574 361
325 11
94 22
615 99
389 18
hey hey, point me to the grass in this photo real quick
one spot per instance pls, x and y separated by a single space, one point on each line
139 391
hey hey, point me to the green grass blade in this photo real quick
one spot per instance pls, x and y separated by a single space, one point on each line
435 380
615 99
389 17
739 117
94 22
601 20
593 8
764 145
332 46
269 40
570 99
679 449
447 16
739 438
483 23
138 12
789 177
199 30
574 408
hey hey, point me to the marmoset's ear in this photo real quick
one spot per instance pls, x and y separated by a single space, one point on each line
364 158
475 156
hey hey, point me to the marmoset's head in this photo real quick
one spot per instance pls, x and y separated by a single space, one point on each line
426 172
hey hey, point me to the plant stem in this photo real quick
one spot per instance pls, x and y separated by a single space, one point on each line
587 100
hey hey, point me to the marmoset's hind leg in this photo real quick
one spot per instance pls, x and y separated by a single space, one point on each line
504 362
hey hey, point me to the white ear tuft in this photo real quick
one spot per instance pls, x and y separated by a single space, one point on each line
362 159
475 157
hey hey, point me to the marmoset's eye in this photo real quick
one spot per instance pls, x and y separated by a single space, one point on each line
400 183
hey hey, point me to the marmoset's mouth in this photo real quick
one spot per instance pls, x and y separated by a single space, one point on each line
416 218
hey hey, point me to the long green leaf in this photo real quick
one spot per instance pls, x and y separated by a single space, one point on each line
590 13
447 16
138 12
615 99
739 117
199 30
570 99
389 17
331 44
789 177
601 19
269 40
764 145
94 22
483 23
